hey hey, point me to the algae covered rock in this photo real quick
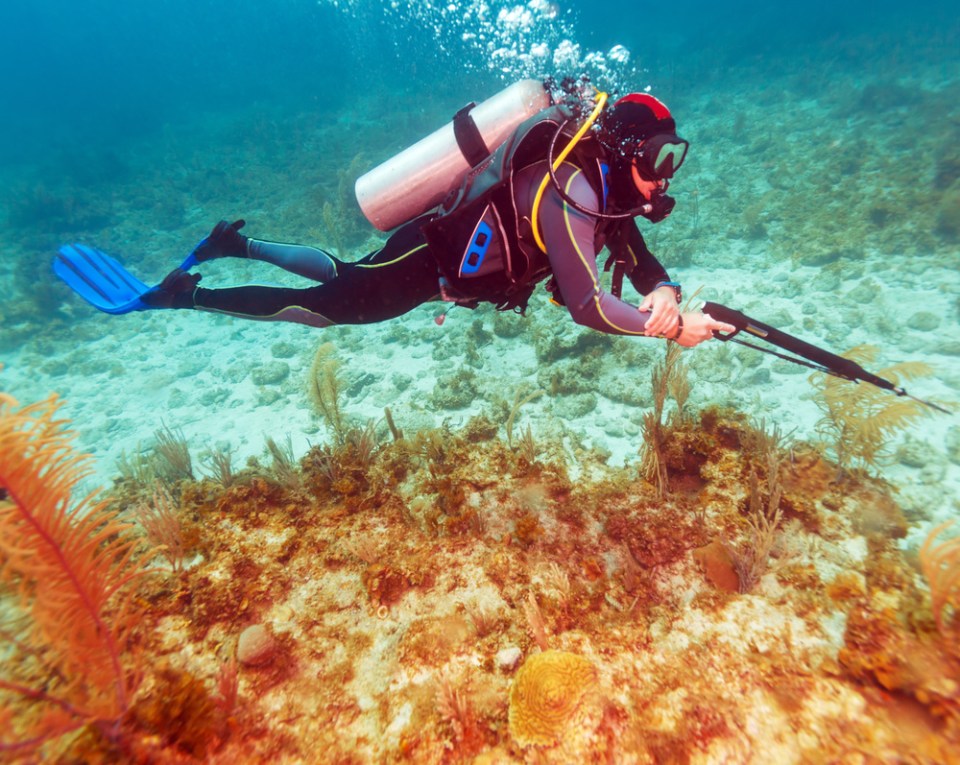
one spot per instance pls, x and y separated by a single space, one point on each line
283 350
718 566
455 391
271 373
924 321
256 646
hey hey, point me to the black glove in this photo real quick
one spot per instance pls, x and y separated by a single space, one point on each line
175 291
225 240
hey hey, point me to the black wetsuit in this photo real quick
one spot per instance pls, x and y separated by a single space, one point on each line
404 274
383 285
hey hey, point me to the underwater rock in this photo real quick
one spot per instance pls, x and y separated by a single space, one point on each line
718 566
401 381
508 658
283 350
924 321
547 695
271 373
915 453
256 646
571 407
880 517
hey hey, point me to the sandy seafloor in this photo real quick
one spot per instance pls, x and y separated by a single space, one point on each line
890 280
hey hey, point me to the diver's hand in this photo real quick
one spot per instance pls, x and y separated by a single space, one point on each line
664 313
698 327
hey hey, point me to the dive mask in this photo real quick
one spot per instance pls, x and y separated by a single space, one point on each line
660 156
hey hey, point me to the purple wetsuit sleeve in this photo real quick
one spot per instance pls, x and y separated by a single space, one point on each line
569 238
645 271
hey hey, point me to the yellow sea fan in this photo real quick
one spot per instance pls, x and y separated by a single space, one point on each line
862 420
546 695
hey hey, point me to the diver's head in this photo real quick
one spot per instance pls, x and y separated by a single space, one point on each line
645 151
640 133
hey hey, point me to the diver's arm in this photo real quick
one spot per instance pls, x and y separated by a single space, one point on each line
647 276
569 238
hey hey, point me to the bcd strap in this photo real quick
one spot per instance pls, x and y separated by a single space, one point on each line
619 269
468 136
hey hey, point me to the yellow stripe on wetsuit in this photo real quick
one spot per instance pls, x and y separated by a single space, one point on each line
391 262
596 284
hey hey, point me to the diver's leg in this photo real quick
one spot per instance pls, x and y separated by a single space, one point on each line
381 286
299 259
226 241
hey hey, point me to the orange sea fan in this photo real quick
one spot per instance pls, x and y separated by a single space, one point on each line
66 567
941 566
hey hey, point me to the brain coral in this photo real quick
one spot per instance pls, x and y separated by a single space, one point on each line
546 695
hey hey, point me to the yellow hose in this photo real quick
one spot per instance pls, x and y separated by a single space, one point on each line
601 101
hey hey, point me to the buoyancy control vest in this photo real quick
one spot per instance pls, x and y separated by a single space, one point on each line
484 248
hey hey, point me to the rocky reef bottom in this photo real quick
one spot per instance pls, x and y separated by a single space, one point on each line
451 596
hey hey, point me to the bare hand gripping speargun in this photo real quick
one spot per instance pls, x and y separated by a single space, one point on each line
817 358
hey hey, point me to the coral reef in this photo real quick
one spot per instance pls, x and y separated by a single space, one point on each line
444 597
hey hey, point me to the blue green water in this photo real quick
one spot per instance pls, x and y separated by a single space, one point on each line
105 72
821 195
821 189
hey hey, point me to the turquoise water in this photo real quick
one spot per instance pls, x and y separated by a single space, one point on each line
821 191
824 137
822 195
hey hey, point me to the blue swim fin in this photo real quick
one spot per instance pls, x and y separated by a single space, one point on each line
192 258
100 279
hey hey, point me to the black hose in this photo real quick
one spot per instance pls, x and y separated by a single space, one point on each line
573 203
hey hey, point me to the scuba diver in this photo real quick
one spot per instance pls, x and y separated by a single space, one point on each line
522 214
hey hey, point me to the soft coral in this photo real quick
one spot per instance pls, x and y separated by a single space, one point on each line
68 569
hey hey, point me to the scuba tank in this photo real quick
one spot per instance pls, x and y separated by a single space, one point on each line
418 178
